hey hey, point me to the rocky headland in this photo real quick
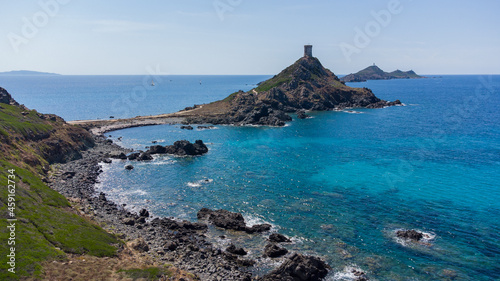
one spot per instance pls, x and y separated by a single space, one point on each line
304 86
375 73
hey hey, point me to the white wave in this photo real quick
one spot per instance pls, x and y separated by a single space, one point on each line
346 274
199 183
353 112
138 192
252 220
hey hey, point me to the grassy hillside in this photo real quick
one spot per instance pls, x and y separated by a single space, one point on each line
46 226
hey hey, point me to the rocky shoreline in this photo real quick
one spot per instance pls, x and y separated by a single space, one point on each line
168 240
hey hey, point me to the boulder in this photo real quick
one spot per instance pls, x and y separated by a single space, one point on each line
139 245
301 114
223 218
128 221
299 268
258 228
118 155
144 213
157 149
274 251
145 156
236 251
133 156
278 238
170 246
129 167
410 234
186 127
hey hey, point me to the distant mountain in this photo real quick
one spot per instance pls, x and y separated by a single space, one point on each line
27 72
375 73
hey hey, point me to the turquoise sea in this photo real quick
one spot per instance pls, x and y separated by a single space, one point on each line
340 183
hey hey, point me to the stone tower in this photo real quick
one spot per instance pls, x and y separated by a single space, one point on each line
308 50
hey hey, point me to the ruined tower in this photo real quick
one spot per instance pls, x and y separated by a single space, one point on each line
308 50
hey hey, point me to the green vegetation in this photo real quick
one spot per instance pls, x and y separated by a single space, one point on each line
28 124
46 226
230 97
150 273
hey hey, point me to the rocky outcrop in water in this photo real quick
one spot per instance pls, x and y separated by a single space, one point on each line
410 234
278 238
274 251
299 268
229 220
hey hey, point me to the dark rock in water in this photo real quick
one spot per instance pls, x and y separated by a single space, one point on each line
154 141
278 238
145 156
186 127
133 156
410 234
109 141
144 213
129 167
258 228
186 148
274 251
301 114
229 220
157 149
107 161
237 251
223 218
299 268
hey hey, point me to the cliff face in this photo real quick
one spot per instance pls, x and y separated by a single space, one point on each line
305 85
375 73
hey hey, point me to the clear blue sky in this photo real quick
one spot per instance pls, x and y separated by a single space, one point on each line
248 36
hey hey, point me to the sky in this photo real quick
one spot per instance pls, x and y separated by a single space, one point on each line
243 37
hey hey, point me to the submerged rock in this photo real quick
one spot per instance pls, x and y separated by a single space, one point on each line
129 167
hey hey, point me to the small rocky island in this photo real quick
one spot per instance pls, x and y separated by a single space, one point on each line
305 85
375 73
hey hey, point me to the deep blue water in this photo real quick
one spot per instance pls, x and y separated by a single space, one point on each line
99 97
340 183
